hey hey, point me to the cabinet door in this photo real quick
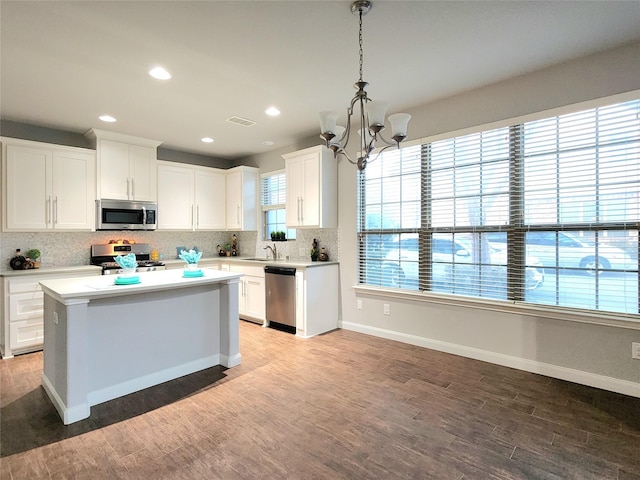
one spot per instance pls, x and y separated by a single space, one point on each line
234 200
114 170
26 334
143 180
209 200
28 194
310 204
255 298
295 192
175 198
73 187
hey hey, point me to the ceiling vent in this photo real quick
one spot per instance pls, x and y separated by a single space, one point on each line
243 122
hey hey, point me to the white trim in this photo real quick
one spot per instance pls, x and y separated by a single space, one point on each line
595 317
232 361
584 378
68 415
146 381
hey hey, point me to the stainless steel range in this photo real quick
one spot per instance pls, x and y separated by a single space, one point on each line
103 254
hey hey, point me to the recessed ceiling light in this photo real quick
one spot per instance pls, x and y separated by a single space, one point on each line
267 142
107 118
159 73
272 111
207 140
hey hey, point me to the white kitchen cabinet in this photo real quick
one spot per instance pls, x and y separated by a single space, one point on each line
209 198
22 310
242 198
47 187
312 193
251 293
127 166
190 197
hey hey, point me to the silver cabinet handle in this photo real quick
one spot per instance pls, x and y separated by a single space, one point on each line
301 210
55 210
133 189
47 210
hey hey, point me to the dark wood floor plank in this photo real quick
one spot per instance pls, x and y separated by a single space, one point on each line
338 406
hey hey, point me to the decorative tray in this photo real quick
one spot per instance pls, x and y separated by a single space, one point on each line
192 273
127 280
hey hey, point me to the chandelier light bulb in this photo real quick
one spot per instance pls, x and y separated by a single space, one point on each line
399 123
328 122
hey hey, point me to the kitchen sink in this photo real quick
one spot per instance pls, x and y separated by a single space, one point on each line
262 259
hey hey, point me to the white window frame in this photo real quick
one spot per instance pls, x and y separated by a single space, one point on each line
628 320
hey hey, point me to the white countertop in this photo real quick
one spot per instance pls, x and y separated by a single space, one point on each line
90 269
298 263
104 286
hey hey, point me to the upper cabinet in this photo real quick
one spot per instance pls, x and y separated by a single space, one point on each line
127 166
190 197
242 198
312 191
47 187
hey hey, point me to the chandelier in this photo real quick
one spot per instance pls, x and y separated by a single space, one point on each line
371 115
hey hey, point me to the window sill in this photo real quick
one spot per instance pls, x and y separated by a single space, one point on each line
609 319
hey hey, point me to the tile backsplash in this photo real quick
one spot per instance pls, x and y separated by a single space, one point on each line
60 249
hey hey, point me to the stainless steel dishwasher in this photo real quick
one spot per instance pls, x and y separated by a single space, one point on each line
280 286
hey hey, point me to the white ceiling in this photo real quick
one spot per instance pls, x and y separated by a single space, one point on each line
63 63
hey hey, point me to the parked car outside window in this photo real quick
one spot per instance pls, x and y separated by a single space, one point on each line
454 268
571 251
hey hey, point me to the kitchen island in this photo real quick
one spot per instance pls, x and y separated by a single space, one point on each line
103 341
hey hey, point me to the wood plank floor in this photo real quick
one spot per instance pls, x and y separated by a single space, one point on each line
338 406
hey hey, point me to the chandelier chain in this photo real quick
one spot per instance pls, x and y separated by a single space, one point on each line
360 44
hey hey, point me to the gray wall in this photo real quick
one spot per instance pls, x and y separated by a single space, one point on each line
38 133
592 354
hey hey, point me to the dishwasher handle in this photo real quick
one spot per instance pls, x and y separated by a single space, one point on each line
280 270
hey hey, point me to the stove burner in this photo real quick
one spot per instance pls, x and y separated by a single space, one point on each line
114 265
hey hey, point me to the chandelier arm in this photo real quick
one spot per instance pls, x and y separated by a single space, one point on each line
369 160
346 155
391 144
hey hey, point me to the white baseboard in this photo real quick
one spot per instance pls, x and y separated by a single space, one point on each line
230 361
68 415
563 373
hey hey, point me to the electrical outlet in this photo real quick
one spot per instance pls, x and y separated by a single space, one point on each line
386 309
55 318
359 303
635 350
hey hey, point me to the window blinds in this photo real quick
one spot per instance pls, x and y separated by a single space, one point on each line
544 212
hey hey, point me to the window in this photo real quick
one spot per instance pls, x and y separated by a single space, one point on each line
544 212
274 195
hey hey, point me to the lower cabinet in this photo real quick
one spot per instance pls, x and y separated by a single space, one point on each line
22 308
251 296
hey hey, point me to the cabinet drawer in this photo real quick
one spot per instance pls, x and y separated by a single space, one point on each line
26 334
23 306
23 285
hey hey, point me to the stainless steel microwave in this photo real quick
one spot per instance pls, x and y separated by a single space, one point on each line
126 215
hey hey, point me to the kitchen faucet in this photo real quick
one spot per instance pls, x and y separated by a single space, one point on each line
274 251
